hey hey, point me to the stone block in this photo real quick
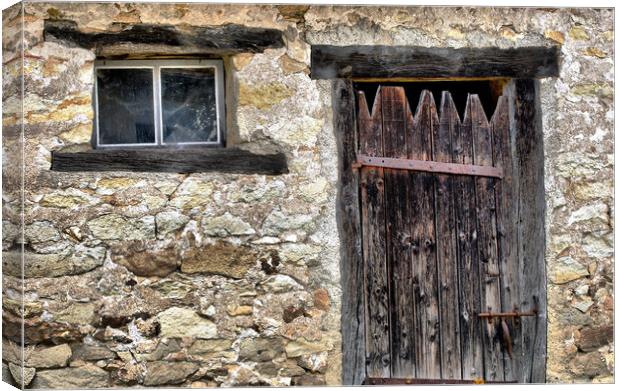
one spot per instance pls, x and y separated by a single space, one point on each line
166 372
184 322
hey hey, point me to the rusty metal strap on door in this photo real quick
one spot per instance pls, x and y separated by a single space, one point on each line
428 166
381 381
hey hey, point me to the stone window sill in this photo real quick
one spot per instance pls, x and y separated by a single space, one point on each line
184 160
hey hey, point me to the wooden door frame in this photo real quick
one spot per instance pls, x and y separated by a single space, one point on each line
523 66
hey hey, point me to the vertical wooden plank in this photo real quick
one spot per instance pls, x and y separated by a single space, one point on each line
531 228
467 254
378 360
487 241
425 284
505 197
396 114
446 243
348 220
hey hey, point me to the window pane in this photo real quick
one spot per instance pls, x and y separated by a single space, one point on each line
188 105
125 99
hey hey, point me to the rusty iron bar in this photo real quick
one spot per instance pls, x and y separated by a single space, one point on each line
515 314
428 166
375 381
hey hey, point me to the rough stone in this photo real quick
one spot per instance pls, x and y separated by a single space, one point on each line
165 347
53 265
211 349
293 13
594 216
267 368
242 376
22 375
589 365
86 258
281 283
143 259
260 349
278 222
583 305
263 96
194 192
582 290
316 362
206 308
241 60
166 372
556 36
220 258
41 231
173 289
290 65
578 34
54 357
111 185
130 373
7 377
302 326
589 89
226 225
86 376
290 369
66 199
10 233
82 352
116 227
572 317
566 270
81 134
302 347
592 338
321 299
309 380
315 191
240 310
168 222
595 52
184 322
77 313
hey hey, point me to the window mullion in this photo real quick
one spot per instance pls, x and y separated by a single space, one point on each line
157 105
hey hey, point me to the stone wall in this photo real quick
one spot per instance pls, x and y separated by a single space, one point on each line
128 276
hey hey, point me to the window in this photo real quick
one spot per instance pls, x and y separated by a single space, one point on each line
159 103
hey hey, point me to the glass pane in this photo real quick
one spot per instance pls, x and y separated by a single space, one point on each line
125 99
188 105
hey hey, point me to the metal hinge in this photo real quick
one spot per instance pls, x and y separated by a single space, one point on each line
427 166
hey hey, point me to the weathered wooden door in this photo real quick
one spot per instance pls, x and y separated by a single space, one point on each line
438 234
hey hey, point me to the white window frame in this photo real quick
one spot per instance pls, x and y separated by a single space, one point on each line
156 66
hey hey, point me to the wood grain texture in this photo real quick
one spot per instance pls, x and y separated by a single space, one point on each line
226 39
446 243
377 61
348 220
396 118
486 238
467 257
505 196
531 228
171 160
378 353
453 245
425 280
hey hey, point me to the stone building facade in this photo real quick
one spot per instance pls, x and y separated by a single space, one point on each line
127 277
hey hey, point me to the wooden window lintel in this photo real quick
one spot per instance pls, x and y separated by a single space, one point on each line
182 160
